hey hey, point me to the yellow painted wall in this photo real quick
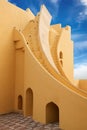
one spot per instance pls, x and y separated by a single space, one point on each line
10 16
19 76
65 45
43 34
46 89
21 71
83 85
54 31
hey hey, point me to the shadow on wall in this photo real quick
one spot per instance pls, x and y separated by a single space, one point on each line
20 102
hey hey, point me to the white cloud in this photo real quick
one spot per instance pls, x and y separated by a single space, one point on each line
80 41
80 71
54 1
83 14
80 47
80 51
84 2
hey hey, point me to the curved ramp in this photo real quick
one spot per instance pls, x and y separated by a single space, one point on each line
71 101
43 33
32 38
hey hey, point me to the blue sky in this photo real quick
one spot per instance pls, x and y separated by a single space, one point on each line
67 12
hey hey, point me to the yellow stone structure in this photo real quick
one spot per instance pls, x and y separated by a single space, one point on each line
36 69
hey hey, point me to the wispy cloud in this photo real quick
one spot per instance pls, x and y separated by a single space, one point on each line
83 14
84 2
80 60
80 51
54 1
77 36
80 55
80 71
81 45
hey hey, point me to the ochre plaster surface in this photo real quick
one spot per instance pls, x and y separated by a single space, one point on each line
36 69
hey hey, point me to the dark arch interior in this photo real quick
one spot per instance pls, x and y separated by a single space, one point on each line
52 113
61 55
20 102
29 102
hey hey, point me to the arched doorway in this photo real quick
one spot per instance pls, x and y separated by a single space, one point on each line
52 113
29 102
20 102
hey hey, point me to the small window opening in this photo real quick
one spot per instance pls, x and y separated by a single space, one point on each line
61 55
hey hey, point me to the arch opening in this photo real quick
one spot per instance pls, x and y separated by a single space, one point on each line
52 113
29 102
20 102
